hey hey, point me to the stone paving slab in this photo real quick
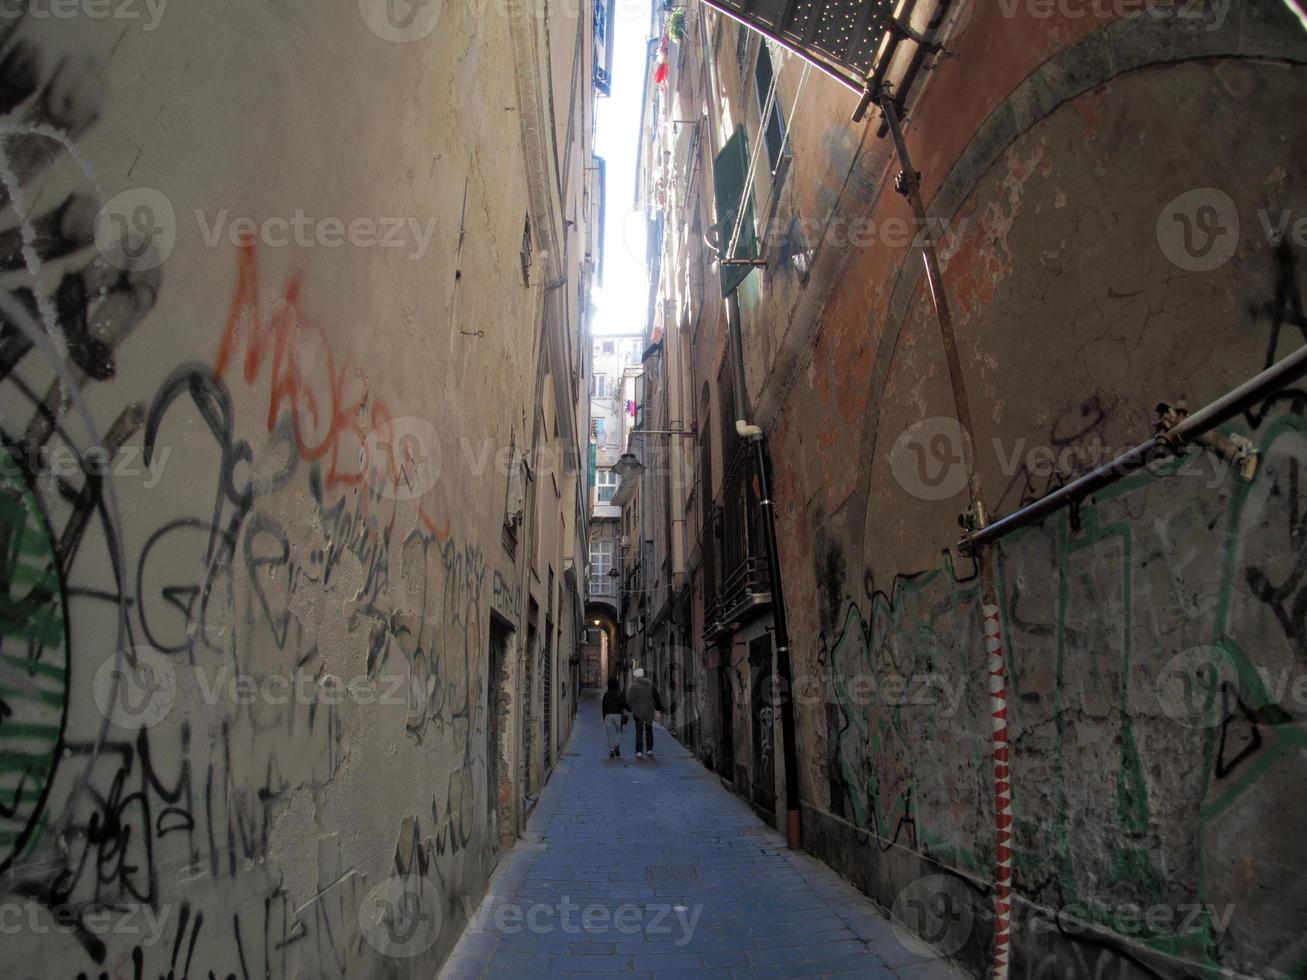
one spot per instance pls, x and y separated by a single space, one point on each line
643 868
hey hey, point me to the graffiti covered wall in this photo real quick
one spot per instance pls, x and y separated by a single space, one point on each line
249 525
1100 261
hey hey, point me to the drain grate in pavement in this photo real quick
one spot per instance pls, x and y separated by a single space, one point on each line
663 874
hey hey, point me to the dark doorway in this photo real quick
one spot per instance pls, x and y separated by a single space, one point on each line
528 705
725 692
547 696
497 708
761 712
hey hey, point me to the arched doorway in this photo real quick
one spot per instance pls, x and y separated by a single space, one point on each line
597 656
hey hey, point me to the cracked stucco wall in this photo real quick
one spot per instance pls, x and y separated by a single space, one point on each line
1055 153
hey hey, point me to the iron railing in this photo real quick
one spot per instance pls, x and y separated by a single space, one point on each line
745 590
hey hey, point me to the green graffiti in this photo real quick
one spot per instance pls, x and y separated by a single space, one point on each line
1158 564
33 667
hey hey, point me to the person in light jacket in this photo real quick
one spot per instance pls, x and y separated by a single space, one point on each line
643 700
614 709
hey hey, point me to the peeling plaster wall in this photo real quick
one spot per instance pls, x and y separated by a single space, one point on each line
1053 150
171 742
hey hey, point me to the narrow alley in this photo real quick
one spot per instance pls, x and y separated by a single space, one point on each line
650 868
899 404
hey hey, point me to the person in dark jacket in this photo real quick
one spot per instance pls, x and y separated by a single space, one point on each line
614 710
643 701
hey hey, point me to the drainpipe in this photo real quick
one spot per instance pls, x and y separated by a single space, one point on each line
714 85
755 435
909 185
676 422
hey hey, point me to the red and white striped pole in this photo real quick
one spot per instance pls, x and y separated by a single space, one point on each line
1002 786
909 184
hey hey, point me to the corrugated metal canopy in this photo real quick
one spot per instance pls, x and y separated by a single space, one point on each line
848 32
856 42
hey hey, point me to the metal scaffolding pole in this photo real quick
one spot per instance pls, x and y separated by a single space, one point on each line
909 184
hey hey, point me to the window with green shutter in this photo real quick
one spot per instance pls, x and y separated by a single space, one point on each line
729 170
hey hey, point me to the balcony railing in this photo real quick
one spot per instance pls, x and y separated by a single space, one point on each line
745 594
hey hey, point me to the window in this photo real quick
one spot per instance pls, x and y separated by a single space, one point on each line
733 202
600 425
742 47
607 346
603 46
606 482
601 563
773 127
513 505
603 557
601 386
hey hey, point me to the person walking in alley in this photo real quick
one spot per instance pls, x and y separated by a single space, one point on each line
614 711
643 701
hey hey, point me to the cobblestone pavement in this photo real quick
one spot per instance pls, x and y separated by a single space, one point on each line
651 868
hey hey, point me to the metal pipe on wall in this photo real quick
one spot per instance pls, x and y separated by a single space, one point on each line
789 739
676 414
1134 459
1188 430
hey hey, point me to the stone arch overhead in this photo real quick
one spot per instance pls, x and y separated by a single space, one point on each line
601 606
1260 30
